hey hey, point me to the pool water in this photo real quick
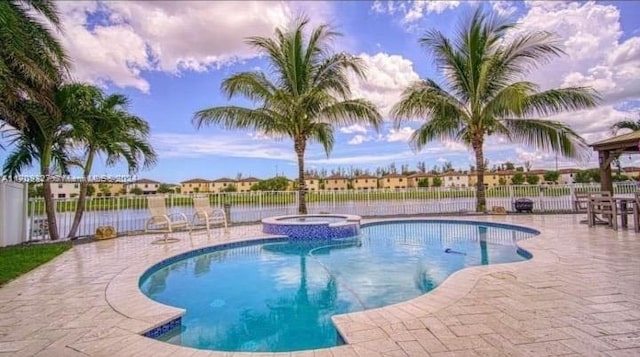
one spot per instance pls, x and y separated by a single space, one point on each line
280 296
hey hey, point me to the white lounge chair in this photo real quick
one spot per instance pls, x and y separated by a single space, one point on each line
163 222
203 212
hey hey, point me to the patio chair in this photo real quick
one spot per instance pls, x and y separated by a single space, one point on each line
163 222
203 212
606 207
636 212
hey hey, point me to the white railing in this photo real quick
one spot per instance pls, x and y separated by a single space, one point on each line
127 214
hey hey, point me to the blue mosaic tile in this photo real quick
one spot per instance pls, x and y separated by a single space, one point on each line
313 231
164 328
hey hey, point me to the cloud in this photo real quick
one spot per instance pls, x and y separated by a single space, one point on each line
115 41
503 8
365 159
412 11
359 139
170 145
387 76
354 128
596 56
402 134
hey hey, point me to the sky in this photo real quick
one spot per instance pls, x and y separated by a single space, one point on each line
170 57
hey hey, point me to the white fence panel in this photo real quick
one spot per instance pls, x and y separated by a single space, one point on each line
13 215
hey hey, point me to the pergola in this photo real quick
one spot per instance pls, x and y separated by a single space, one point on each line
611 148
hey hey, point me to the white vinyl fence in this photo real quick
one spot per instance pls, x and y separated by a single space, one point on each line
127 214
13 213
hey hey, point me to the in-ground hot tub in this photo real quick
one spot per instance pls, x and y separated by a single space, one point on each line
313 226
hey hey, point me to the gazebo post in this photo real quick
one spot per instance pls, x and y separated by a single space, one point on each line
606 183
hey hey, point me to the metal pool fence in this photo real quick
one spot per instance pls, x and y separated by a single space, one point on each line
127 214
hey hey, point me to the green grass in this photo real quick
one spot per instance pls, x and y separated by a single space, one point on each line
17 260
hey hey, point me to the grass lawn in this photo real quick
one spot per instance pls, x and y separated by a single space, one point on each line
17 260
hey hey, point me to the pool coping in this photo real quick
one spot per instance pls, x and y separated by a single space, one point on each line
125 297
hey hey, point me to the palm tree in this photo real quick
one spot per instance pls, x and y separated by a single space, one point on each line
485 95
625 124
41 138
32 61
103 125
308 92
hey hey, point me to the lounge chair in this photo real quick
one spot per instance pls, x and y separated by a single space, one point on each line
163 222
203 212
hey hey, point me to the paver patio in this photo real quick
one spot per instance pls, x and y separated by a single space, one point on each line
578 296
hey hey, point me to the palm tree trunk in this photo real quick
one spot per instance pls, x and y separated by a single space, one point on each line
481 200
299 146
82 196
49 204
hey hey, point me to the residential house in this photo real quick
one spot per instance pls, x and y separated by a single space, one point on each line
364 182
336 183
567 176
222 184
195 185
109 188
65 189
148 187
312 183
393 181
245 184
632 172
455 179
413 181
491 178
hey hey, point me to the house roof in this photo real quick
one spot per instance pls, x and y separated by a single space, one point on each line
196 180
365 177
392 175
145 180
249 179
224 179
335 177
421 174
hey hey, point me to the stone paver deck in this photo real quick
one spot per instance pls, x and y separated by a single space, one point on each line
578 296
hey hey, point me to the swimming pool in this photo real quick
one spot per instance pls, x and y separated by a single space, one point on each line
280 295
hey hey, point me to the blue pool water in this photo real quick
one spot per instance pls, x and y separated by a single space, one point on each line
280 296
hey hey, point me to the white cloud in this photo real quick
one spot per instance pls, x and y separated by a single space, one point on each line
414 10
387 76
590 34
359 139
402 134
170 145
454 145
167 36
354 128
503 8
365 159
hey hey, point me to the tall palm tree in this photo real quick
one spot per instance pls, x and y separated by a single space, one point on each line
41 138
32 61
625 124
103 125
306 93
485 93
